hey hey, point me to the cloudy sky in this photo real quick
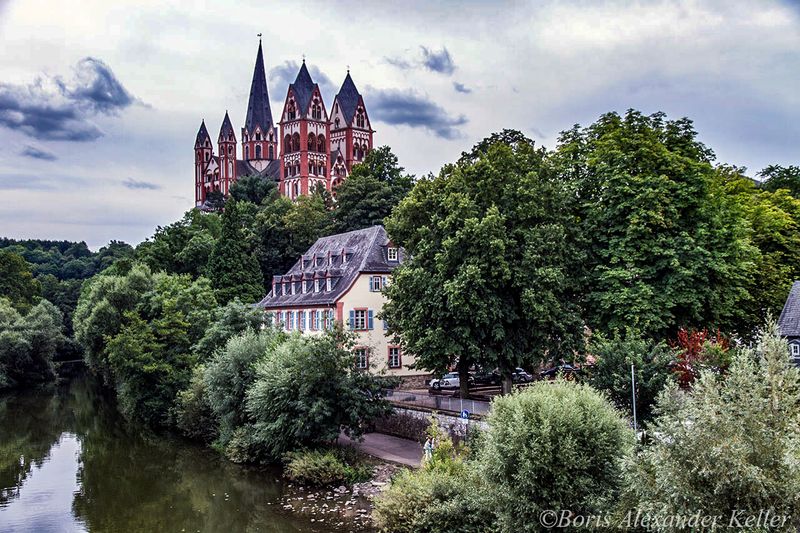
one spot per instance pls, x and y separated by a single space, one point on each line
100 101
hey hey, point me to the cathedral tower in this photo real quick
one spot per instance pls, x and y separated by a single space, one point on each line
259 134
305 133
351 133
203 153
227 155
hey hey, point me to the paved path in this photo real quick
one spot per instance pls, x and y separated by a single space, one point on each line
389 448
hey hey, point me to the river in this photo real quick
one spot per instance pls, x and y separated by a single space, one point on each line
69 462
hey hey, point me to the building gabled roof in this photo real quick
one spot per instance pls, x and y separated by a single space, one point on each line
351 253
202 135
789 321
348 97
271 171
258 110
303 87
226 129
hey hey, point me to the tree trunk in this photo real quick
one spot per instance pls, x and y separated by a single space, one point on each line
463 379
506 382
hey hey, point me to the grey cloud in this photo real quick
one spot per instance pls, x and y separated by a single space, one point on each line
38 182
131 183
284 74
461 88
36 153
408 108
440 61
51 108
434 60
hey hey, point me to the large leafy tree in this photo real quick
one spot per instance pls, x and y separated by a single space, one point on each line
779 177
371 191
232 267
665 247
17 283
488 278
253 189
183 247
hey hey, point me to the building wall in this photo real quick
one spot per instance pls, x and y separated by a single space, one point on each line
375 340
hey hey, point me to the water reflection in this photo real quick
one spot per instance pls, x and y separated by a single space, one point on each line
68 462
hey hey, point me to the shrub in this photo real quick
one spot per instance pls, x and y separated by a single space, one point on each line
193 414
556 445
612 371
306 391
28 343
334 466
729 445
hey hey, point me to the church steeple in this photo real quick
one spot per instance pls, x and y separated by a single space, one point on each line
227 154
351 133
259 135
203 154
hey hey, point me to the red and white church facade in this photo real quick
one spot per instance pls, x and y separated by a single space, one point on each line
313 147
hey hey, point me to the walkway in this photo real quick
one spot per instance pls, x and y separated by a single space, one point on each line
389 448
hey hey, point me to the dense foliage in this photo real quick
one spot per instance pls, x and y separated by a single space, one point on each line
777 177
371 191
611 371
731 444
28 343
17 284
488 278
330 466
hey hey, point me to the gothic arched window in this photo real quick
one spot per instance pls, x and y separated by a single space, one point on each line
312 142
321 144
291 112
247 152
258 151
296 142
258 136
360 118
287 144
271 152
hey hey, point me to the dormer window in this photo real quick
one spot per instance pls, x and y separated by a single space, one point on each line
319 285
328 284
795 351
391 254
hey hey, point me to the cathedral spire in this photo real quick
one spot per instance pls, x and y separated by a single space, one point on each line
226 131
202 136
348 98
258 110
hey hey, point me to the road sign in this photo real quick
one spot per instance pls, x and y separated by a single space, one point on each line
465 414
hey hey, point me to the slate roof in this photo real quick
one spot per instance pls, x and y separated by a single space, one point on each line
365 250
227 128
272 170
258 110
202 135
789 321
303 88
348 99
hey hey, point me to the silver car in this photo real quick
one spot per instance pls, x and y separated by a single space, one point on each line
448 381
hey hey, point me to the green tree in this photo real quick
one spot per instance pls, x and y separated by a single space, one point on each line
777 177
611 372
232 267
306 391
489 273
17 282
665 247
371 191
28 343
552 446
226 322
253 189
183 247
730 445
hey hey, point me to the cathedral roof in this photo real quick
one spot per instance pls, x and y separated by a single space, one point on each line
227 128
258 110
348 99
202 135
271 171
303 88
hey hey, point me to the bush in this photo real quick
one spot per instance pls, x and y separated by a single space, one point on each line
193 414
612 371
307 390
556 445
28 343
334 466
729 445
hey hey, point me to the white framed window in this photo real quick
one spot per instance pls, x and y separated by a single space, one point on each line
314 320
362 358
375 283
320 285
394 357
391 253
359 319
795 350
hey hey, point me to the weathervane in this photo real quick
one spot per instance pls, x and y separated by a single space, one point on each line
304 58
259 37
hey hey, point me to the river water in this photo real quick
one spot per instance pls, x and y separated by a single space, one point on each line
69 462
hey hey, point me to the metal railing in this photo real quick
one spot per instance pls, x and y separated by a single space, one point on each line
439 403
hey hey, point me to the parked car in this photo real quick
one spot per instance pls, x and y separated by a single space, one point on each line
521 376
568 371
483 377
448 381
